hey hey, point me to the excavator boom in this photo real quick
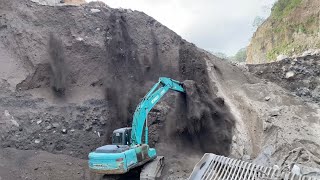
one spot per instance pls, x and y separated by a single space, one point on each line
148 102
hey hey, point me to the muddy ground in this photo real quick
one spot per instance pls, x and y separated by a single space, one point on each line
122 53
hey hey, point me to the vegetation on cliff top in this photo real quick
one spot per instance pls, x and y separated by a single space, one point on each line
240 56
283 7
285 26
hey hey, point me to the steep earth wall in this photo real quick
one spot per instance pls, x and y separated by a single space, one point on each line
113 49
95 56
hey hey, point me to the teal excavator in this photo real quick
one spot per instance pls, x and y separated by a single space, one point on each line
127 150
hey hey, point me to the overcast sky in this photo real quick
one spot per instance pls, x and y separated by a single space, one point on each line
215 25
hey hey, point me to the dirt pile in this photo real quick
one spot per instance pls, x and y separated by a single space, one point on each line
113 57
101 61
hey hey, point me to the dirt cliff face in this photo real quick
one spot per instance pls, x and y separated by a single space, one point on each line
112 57
82 71
292 28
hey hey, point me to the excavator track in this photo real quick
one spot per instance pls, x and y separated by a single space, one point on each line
214 167
152 170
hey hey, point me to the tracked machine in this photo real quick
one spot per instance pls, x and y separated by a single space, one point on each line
127 150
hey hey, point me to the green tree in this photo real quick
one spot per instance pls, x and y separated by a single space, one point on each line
220 55
240 56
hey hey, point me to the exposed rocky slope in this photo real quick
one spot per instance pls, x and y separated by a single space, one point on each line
300 75
292 28
128 50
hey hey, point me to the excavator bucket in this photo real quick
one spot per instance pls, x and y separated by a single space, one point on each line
214 167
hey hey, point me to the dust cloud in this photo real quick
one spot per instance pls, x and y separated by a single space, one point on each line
202 122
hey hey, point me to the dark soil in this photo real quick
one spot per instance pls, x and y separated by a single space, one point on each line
100 65
305 81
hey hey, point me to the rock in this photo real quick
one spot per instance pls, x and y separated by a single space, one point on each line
269 120
88 128
305 157
47 2
281 57
316 92
79 39
40 121
266 126
274 112
296 170
306 53
11 118
48 127
55 125
14 122
95 10
246 158
267 98
303 92
37 141
289 74
171 171
64 131
316 52
264 158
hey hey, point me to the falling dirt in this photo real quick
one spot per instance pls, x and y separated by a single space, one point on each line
202 122
58 65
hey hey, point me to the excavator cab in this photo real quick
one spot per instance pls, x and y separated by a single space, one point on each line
122 136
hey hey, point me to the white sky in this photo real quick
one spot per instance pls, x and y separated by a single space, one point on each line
215 25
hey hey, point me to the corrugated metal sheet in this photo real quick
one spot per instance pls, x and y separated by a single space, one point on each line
214 167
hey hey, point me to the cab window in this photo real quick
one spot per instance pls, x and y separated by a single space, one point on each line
117 138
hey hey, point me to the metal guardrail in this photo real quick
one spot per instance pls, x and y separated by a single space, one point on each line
214 167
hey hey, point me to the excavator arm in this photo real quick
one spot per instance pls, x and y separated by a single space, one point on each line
148 102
